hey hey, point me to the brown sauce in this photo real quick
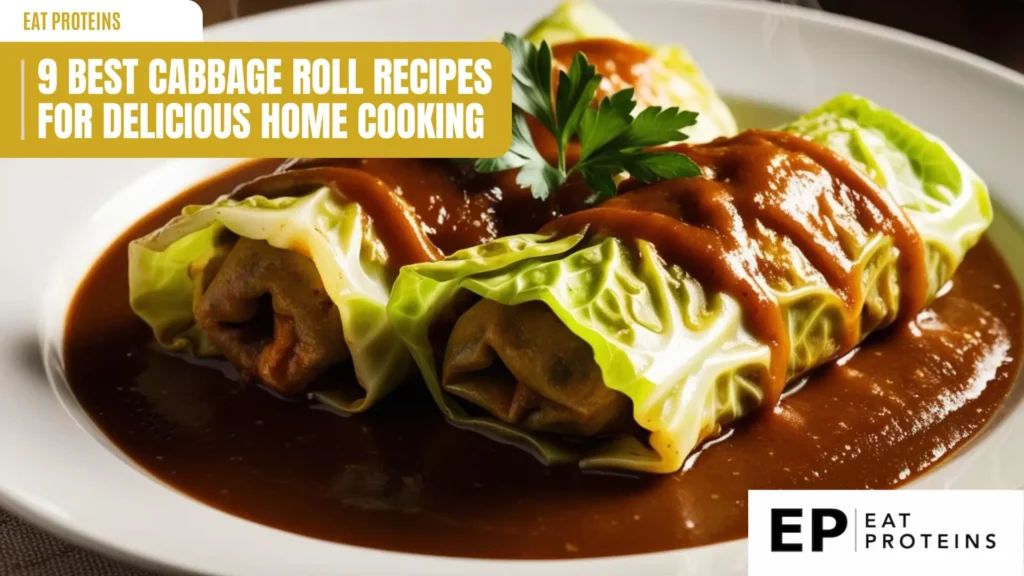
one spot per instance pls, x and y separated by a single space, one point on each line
726 228
424 209
621 65
421 209
401 478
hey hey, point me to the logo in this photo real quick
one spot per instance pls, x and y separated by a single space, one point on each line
819 532
886 532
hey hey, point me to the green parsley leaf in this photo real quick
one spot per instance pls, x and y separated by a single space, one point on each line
601 179
519 153
576 91
541 177
531 79
655 126
605 123
534 170
650 167
612 140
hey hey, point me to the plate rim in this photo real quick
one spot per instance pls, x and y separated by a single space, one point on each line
32 512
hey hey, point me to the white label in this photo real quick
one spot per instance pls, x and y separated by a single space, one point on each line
100 21
874 533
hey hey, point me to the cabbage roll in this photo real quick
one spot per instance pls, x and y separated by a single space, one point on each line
699 299
283 287
663 76
289 275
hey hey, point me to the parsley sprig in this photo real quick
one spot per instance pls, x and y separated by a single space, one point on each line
611 139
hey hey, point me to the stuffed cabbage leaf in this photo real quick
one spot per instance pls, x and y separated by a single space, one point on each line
799 243
289 276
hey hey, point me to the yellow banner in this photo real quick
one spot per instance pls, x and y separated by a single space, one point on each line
255 99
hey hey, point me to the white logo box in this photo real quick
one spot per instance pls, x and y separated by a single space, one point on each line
139 21
933 532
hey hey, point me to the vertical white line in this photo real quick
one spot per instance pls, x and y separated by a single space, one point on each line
23 100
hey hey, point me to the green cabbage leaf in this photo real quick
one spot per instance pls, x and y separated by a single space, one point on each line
331 232
346 253
945 199
680 353
675 79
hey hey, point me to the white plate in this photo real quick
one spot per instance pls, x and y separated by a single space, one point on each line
769 60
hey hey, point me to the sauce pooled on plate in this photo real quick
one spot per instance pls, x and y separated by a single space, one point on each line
399 477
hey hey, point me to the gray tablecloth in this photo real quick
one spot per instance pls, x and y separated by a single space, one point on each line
28 551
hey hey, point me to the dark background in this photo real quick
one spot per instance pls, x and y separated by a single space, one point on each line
990 28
